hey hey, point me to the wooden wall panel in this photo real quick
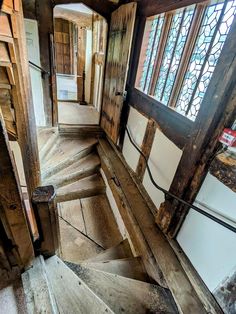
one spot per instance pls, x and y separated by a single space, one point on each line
119 46
63 46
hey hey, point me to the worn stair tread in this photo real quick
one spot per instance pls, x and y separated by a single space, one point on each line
65 153
128 267
67 146
100 223
83 188
120 251
38 293
80 169
44 134
74 245
71 293
48 140
126 295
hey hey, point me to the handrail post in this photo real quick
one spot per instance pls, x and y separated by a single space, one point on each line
46 215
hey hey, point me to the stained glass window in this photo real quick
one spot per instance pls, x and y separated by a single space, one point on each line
181 83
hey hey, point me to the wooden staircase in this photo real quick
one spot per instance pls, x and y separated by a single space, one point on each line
97 271
70 164
107 286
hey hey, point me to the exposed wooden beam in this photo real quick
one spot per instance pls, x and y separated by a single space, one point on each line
134 207
218 110
152 7
11 203
146 148
175 126
104 9
23 103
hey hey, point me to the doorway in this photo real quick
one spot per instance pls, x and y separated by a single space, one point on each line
80 44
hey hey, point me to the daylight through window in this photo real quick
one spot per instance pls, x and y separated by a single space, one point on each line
180 51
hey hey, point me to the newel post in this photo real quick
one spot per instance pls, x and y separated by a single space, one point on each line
46 216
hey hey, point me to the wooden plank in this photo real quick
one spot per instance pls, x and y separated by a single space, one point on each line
84 188
174 125
4 55
208 126
45 212
128 267
71 293
186 298
83 168
75 246
37 290
200 287
7 6
120 251
99 221
223 167
124 294
11 201
146 148
5 25
120 39
139 242
71 211
24 109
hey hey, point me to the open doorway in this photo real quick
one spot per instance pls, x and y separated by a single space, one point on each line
80 44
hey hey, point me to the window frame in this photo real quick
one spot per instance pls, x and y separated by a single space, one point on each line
199 11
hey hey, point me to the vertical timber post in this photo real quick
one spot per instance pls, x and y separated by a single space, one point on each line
45 211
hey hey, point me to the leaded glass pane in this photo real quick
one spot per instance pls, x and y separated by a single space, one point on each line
180 44
167 57
211 62
153 55
153 41
209 43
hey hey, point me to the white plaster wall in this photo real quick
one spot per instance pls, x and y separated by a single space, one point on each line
66 87
137 124
32 40
210 247
163 162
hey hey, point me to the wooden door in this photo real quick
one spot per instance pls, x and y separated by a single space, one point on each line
64 64
119 45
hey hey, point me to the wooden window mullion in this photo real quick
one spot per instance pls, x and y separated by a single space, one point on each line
192 36
160 52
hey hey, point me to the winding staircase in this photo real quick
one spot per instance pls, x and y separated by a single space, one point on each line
108 278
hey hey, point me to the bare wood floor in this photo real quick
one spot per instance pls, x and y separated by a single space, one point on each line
73 113
94 218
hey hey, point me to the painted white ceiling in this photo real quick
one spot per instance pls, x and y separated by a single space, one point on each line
78 7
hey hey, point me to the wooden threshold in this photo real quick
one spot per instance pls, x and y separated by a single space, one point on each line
141 226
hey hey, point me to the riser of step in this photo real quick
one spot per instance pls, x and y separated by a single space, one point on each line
48 146
72 177
83 193
66 163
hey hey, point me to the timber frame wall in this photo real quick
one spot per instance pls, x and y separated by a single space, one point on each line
198 139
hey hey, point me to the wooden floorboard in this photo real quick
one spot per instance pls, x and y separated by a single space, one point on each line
99 221
75 247
124 295
71 293
121 250
128 267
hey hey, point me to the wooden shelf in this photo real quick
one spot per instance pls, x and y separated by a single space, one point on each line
224 169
